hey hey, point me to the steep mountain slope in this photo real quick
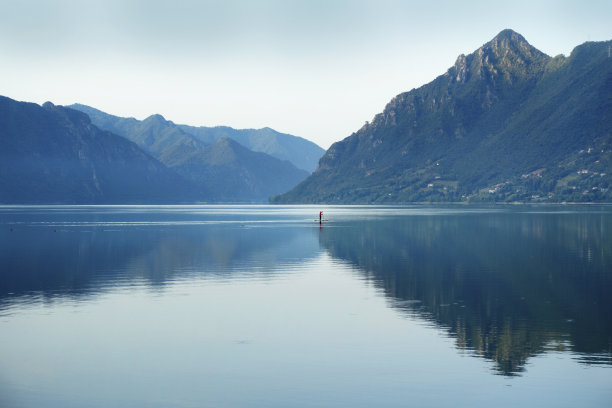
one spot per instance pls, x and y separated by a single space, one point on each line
505 123
52 154
168 141
231 172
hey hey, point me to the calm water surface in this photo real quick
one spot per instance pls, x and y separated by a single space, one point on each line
259 306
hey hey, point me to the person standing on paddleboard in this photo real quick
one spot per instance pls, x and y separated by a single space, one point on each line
320 217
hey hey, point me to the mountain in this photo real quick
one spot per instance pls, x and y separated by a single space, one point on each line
301 152
163 139
157 136
231 172
505 123
52 154
222 171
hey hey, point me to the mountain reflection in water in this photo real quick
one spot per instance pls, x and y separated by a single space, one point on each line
64 256
507 286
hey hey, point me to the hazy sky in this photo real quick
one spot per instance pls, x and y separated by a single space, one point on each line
316 69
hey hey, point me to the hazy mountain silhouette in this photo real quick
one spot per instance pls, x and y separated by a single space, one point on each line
156 135
52 154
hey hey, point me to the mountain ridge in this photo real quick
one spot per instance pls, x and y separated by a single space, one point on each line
480 127
230 174
303 153
235 173
52 154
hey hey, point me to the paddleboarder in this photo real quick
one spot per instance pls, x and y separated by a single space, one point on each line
320 217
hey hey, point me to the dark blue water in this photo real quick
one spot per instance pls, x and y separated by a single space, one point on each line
260 306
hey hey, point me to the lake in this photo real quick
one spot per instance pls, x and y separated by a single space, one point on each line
260 306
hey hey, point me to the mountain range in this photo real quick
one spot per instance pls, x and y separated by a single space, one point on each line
55 154
505 123
51 154
234 173
163 137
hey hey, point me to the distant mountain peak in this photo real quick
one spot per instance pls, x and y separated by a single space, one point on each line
508 41
509 35
508 56
157 118
71 115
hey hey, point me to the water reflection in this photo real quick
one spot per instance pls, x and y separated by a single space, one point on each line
506 286
43 259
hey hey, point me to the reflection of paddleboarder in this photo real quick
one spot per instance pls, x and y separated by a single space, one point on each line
320 217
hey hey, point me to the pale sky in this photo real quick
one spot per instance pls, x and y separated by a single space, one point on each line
315 69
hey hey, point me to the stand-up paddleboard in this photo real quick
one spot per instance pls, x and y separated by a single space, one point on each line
321 219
